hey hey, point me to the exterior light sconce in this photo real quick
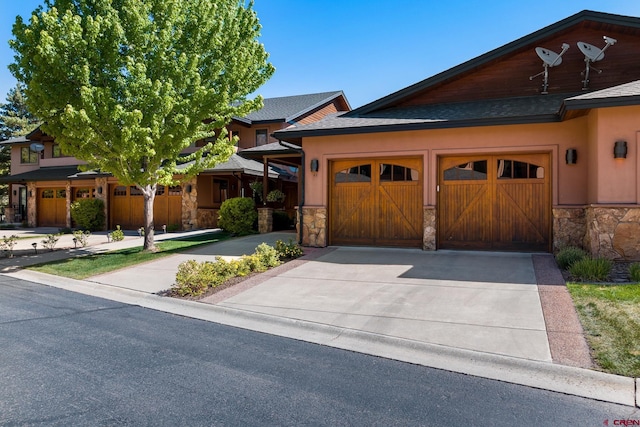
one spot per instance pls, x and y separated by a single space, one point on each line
30 193
15 193
620 150
315 165
188 188
99 190
571 157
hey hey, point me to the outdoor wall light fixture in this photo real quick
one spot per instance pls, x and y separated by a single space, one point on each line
30 193
571 156
315 165
620 150
99 190
188 188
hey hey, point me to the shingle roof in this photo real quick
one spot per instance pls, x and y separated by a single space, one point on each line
288 108
529 109
240 164
53 173
624 94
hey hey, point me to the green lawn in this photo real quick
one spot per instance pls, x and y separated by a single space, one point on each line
610 316
91 265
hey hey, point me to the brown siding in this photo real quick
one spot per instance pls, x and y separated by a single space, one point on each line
318 114
509 76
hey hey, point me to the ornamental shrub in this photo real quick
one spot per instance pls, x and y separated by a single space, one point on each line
268 255
237 215
569 255
591 270
289 250
117 234
634 272
88 214
281 221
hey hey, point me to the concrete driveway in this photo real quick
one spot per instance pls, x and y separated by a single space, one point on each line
485 302
479 301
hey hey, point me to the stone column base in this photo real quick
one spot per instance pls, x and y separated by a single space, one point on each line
429 227
265 220
314 227
569 227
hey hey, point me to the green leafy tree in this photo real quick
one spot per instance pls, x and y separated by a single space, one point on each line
127 85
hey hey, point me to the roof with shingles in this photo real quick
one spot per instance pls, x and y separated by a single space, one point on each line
288 108
53 173
529 109
624 94
239 164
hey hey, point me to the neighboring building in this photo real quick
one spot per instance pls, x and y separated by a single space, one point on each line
491 154
43 182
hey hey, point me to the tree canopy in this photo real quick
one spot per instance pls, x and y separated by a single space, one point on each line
15 118
127 85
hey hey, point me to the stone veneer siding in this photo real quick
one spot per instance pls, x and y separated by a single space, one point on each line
32 196
314 227
613 232
569 227
429 227
265 220
190 205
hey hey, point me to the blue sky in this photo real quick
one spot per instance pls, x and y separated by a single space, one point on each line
370 48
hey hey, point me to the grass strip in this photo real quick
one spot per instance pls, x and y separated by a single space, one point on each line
610 316
92 265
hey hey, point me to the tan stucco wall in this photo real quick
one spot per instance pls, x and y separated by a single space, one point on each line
552 138
613 180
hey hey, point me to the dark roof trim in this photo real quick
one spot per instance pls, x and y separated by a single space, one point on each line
293 135
582 104
585 15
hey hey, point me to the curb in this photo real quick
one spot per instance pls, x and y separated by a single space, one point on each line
547 376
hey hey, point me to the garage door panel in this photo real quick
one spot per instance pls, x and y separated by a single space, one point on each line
407 223
511 212
52 207
376 202
127 207
353 217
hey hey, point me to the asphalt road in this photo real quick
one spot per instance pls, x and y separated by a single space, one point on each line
70 359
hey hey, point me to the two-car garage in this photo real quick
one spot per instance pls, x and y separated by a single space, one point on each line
484 202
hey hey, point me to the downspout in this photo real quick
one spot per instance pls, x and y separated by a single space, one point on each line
302 182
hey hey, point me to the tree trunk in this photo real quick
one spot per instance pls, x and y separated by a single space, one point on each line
149 193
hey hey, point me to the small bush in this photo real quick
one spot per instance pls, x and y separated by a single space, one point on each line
50 241
569 255
634 272
591 270
65 230
237 215
88 214
268 255
193 278
82 237
117 234
7 244
289 250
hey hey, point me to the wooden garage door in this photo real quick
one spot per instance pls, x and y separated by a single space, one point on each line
52 207
376 202
127 207
499 202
